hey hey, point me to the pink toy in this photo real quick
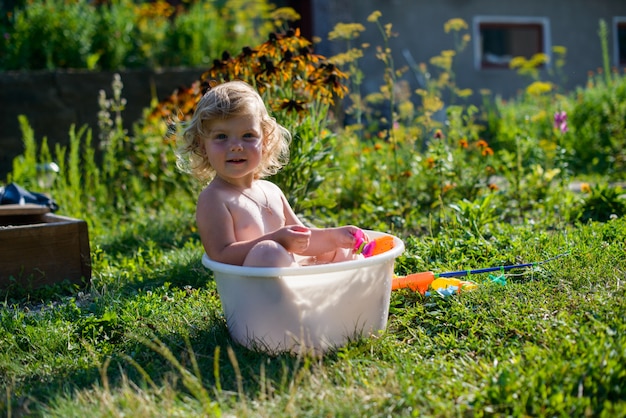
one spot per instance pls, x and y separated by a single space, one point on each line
377 246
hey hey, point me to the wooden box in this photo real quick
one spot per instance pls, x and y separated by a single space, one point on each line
39 248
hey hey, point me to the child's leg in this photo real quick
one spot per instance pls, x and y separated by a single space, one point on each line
340 254
269 254
345 254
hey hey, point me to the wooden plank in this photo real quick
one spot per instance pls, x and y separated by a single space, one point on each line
48 252
26 209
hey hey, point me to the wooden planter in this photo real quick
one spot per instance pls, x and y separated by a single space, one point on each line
39 248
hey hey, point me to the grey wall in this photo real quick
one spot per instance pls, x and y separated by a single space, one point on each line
419 24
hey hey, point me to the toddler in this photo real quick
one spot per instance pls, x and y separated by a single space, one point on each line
242 219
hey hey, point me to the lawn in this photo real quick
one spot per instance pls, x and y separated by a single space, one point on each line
494 185
147 338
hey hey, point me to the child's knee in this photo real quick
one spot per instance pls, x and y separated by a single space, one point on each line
344 254
269 254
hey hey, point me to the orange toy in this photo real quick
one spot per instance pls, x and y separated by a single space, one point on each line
427 280
374 247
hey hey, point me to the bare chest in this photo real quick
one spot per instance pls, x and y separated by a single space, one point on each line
250 221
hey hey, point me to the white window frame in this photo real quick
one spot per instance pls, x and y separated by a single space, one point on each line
544 22
617 20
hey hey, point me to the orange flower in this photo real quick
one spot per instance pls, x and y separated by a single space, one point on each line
430 162
487 151
493 187
292 105
448 186
378 146
463 143
285 60
481 143
585 188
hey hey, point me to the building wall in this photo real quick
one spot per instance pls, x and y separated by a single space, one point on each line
420 28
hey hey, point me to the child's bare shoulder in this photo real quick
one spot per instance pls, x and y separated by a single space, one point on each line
210 195
269 186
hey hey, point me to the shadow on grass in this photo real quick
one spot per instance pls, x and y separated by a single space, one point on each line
134 358
165 234
130 357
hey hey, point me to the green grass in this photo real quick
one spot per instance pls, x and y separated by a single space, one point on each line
148 338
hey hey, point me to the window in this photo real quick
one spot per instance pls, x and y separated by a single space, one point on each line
619 41
500 39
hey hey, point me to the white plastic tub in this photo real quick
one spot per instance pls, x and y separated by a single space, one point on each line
311 308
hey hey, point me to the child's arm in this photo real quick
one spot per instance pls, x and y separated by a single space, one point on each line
326 240
216 229
323 240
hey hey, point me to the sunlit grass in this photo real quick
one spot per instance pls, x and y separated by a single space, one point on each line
148 337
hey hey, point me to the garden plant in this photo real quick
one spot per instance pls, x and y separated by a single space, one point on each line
530 179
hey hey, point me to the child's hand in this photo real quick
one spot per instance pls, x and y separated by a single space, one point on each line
294 238
350 237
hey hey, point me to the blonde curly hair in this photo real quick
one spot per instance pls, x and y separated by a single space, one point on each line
229 99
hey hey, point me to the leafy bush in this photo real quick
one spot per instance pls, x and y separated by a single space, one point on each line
599 119
602 204
119 34
594 139
50 34
298 87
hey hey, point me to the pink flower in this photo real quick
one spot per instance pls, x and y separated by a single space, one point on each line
560 121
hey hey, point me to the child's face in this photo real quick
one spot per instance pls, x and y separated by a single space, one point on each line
234 146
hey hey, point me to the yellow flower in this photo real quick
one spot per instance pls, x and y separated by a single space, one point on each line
539 116
346 57
388 28
539 59
442 61
455 24
346 31
374 98
406 109
517 62
374 16
464 92
432 104
285 13
538 88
